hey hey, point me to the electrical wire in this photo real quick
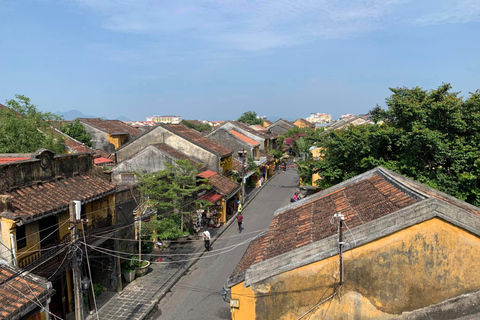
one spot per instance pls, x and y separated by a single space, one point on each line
89 270
205 256
34 302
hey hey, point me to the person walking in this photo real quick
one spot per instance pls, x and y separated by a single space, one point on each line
239 208
240 221
206 239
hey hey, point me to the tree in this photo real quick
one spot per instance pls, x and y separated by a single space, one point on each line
77 131
174 190
430 136
25 129
250 118
199 127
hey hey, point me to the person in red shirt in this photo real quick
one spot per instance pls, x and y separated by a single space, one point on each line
240 221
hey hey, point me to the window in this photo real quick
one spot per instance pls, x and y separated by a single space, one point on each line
21 237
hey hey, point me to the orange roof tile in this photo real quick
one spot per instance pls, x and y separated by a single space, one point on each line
19 292
244 138
207 174
12 159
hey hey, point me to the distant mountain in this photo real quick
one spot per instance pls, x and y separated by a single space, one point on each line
74 114
122 118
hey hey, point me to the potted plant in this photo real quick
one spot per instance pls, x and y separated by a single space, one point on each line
128 269
141 267
182 238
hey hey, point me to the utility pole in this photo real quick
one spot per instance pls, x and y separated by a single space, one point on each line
242 155
340 243
77 287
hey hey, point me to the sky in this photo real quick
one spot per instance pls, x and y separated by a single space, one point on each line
216 59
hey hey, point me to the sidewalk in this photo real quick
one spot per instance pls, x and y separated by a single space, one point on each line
139 298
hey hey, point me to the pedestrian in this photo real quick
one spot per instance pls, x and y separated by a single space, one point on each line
240 221
206 239
239 208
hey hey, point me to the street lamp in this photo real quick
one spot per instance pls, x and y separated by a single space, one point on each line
85 283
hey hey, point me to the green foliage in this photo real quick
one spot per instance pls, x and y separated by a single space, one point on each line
77 131
97 289
130 264
25 129
199 127
250 118
430 136
163 229
174 189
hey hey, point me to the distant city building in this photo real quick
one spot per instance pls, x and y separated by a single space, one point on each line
165 119
347 115
319 118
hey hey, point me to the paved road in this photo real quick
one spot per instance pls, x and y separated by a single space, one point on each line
197 295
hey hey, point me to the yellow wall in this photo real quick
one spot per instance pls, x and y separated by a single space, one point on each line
419 266
301 124
247 302
117 140
226 164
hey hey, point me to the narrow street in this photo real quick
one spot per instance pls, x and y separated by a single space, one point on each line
197 295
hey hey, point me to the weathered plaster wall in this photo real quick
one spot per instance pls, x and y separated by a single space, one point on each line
416 267
229 126
229 141
152 137
99 138
192 150
149 160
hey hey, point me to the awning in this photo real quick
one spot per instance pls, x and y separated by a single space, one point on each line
247 176
211 197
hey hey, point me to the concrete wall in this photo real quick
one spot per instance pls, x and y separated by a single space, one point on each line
229 126
100 139
413 268
149 160
161 135
197 153
229 141
44 167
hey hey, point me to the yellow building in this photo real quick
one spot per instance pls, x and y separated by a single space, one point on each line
407 252
302 123
35 195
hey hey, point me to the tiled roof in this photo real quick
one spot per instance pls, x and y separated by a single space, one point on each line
175 153
244 138
12 159
198 139
55 196
101 160
207 174
20 292
237 165
222 184
309 221
258 127
260 134
211 197
112 126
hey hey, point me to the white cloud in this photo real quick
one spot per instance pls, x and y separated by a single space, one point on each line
254 25
453 12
